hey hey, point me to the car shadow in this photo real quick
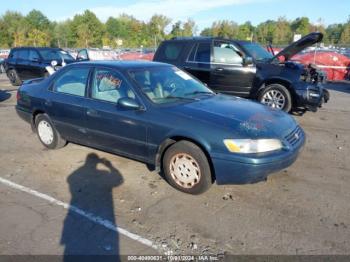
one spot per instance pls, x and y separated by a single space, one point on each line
4 95
91 188
340 86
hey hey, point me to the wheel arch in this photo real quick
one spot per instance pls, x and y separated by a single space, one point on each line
35 113
176 138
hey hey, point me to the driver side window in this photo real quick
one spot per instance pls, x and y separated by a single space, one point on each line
108 85
227 53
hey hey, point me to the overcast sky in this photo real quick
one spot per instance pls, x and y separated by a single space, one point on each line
204 12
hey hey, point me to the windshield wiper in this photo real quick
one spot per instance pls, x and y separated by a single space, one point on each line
181 98
200 92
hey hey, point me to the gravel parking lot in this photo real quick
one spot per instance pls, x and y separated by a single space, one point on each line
302 210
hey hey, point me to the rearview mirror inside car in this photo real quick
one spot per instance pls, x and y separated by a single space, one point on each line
128 103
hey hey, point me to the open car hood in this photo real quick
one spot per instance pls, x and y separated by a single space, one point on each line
299 45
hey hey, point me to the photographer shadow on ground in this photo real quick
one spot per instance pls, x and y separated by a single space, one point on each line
91 188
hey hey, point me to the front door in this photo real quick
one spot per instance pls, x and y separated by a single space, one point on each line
111 127
228 73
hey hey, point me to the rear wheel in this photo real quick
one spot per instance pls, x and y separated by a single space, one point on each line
14 78
276 96
47 133
186 168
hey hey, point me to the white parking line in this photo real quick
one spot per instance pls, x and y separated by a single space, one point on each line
96 219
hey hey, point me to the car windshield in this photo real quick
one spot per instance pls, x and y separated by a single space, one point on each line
169 84
55 54
257 51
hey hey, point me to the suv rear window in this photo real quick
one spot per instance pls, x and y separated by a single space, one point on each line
172 51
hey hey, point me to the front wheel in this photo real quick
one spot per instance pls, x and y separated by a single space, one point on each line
276 96
47 133
186 168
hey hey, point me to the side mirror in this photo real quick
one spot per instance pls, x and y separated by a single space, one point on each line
54 63
248 60
128 103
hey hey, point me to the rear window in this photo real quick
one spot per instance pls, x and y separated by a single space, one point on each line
172 51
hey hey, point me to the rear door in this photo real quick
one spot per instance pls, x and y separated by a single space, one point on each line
22 56
198 61
35 67
66 104
111 127
228 74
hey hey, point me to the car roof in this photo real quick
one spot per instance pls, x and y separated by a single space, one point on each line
124 64
33 47
199 39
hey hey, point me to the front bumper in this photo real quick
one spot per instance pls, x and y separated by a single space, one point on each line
310 96
245 169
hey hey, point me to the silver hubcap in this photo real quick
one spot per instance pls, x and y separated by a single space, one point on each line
274 99
185 170
45 132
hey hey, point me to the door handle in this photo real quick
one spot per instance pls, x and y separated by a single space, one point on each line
92 112
219 69
48 102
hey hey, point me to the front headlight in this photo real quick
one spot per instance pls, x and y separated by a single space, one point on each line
246 146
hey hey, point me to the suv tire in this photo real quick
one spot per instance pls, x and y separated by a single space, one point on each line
276 96
13 77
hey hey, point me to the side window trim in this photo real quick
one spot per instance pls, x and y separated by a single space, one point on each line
196 45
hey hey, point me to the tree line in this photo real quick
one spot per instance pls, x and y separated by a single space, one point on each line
86 30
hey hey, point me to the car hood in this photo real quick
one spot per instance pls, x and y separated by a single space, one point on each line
299 45
247 119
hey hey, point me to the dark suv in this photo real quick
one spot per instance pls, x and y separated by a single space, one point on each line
246 69
25 63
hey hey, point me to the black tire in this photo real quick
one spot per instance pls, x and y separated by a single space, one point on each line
57 140
282 90
13 77
192 151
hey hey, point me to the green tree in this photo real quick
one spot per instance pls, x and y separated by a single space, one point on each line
345 35
207 32
87 29
37 38
189 28
301 25
37 20
157 25
282 32
177 29
334 32
245 31
13 32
